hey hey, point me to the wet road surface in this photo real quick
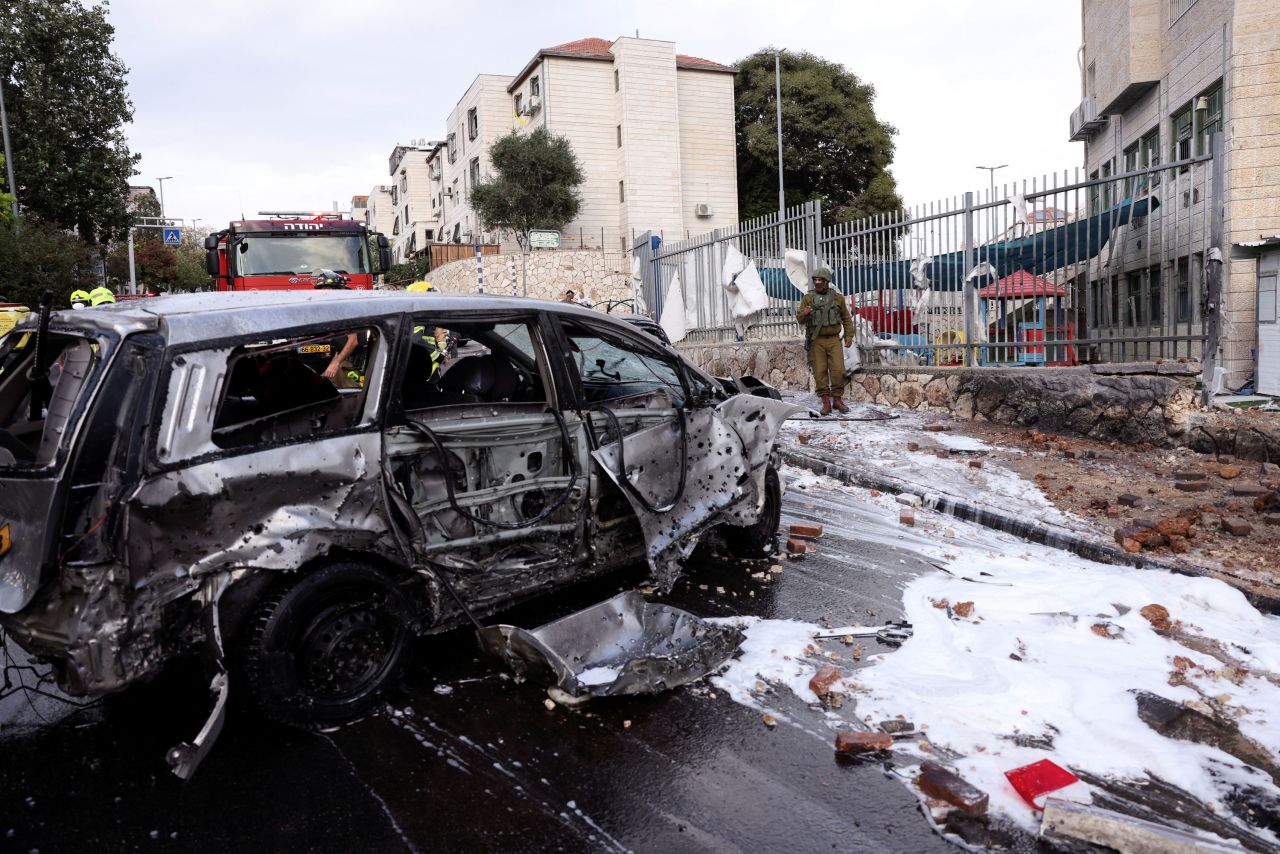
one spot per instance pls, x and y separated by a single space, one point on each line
466 759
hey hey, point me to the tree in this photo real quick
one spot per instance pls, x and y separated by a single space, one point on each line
834 148
535 185
67 104
35 255
6 199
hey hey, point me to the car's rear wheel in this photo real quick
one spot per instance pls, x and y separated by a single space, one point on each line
323 647
759 540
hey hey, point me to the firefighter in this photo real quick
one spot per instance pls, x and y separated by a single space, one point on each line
823 313
101 296
435 342
79 299
341 367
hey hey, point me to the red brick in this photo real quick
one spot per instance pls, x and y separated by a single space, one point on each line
937 782
1129 499
1157 615
1235 526
1249 490
907 516
935 428
822 681
795 548
1175 527
804 530
1228 472
1191 485
863 742
975 464
913 446
962 609
1188 475
1179 545
1131 546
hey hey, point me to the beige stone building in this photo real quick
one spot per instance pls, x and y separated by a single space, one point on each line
415 221
1159 78
379 210
653 130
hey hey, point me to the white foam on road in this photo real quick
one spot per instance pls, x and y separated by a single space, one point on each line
956 681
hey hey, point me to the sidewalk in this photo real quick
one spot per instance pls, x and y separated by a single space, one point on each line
1175 509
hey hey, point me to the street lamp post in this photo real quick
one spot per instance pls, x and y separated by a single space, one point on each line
162 180
991 170
782 196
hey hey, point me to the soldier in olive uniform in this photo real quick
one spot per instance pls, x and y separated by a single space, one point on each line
824 314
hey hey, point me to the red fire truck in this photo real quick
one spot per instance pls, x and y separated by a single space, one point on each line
287 252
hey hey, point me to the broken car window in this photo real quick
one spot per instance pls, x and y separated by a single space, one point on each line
286 388
610 369
499 363
30 436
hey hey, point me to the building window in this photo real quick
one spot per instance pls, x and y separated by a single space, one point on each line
1178 8
1180 147
617 81
429 235
395 226
406 216
1108 187
1133 300
404 183
622 191
1130 165
516 105
535 87
1115 301
1210 120
1155 293
619 136
473 124
1095 194
453 147
1184 291
475 171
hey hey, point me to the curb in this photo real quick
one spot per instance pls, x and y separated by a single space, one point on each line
1034 532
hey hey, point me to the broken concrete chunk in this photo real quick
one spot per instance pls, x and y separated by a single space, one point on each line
863 742
1235 526
908 499
821 682
897 727
938 782
1249 490
1065 820
803 530
1129 499
1174 720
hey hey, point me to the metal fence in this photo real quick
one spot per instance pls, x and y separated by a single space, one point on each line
1059 270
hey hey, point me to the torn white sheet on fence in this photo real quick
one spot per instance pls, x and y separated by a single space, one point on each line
795 263
673 319
749 298
637 286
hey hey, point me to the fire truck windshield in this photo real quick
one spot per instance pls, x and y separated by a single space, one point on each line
290 255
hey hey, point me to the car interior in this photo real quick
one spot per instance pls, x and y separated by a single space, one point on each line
501 368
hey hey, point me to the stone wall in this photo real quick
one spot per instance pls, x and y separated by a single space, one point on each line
603 276
782 364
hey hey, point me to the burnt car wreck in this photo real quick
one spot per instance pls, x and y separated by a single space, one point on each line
178 475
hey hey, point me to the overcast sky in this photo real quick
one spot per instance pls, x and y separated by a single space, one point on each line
291 104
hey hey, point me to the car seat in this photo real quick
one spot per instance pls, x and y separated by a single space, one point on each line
490 378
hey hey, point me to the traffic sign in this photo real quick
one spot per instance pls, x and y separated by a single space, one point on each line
173 237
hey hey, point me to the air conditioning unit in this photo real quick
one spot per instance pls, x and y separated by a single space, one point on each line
702 209
1085 121
535 104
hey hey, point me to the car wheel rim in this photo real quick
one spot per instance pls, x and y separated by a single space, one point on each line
345 650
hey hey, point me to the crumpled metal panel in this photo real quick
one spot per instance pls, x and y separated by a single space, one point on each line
757 421
715 477
241 511
622 645
24 534
728 453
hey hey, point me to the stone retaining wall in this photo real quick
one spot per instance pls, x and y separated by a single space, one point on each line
1135 403
603 276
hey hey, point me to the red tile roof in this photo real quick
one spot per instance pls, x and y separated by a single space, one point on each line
1019 285
597 48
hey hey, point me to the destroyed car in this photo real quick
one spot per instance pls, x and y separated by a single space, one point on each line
175 478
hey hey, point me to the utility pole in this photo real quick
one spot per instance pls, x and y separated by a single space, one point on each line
782 196
8 153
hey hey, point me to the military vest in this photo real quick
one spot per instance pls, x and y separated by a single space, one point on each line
826 308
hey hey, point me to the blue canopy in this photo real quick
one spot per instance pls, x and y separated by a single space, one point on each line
1039 253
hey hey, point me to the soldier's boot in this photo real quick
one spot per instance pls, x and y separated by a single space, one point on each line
838 403
826 405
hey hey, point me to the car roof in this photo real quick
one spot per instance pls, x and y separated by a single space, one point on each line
189 318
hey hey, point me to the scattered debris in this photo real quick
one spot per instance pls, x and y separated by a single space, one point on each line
769 720
1236 526
1129 499
863 742
796 548
1064 820
804 530
1039 778
1157 615
962 609
821 683
897 726
935 428
907 516
1174 720
938 782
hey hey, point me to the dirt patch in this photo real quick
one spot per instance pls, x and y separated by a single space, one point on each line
1121 487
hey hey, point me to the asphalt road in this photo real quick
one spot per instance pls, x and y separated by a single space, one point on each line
466 759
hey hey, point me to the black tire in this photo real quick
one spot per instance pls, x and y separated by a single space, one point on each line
321 648
759 540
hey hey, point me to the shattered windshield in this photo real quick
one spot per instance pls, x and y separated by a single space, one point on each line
609 370
301 254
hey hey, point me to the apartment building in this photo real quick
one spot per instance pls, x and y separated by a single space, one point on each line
379 211
1159 79
653 130
414 220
